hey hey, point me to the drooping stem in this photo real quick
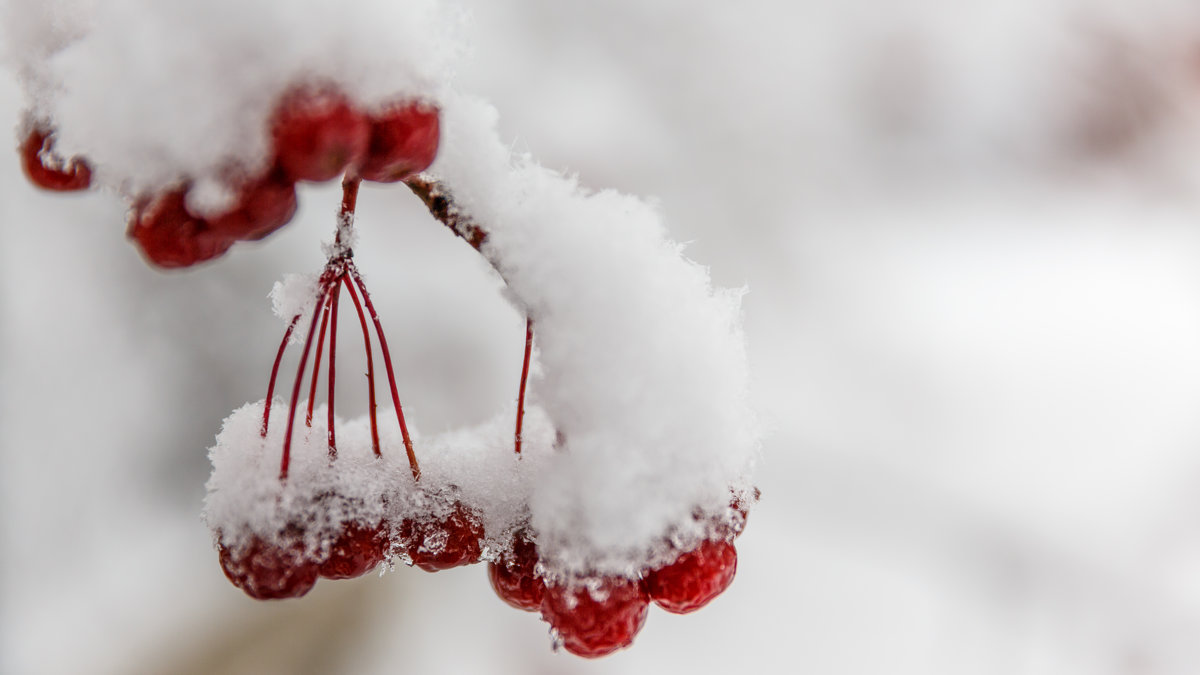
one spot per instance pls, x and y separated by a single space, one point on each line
312 389
274 373
336 292
362 320
524 379
387 362
287 439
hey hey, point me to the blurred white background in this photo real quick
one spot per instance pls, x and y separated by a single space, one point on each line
971 237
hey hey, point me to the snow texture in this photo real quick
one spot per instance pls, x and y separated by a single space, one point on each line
295 297
475 466
643 362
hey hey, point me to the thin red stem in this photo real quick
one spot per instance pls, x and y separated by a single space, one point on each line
336 291
312 389
350 185
524 379
362 320
274 373
287 439
387 362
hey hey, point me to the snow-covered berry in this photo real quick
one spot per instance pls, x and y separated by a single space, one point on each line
358 549
261 207
514 574
404 141
596 616
317 133
46 170
269 570
169 236
694 579
439 543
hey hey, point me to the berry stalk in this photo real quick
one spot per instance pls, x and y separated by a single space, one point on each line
312 389
336 291
287 439
362 320
524 379
387 363
287 335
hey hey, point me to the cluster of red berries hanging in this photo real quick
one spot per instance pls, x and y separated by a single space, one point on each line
317 135
595 615
337 509
320 530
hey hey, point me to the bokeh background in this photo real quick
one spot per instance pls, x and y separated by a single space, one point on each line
971 237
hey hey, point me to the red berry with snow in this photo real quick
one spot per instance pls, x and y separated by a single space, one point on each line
262 206
47 171
513 576
404 141
318 134
356 551
694 579
442 543
596 618
171 237
268 571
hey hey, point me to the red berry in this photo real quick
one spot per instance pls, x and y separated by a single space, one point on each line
317 134
513 576
404 141
263 206
356 551
694 579
171 237
48 172
443 543
596 619
267 571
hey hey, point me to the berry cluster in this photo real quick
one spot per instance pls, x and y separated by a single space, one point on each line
596 615
317 134
590 615
599 614
445 534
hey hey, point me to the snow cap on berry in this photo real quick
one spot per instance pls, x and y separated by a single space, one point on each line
247 499
472 467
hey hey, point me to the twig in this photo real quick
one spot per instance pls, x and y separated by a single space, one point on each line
438 200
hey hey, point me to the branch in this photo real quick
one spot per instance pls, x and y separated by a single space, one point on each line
437 199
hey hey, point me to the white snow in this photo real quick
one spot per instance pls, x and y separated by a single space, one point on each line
477 466
294 298
643 362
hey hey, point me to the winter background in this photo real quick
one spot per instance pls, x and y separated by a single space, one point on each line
971 238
